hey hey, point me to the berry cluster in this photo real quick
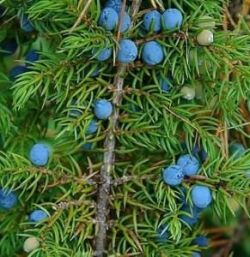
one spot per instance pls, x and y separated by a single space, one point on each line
31 57
9 46
8 200
188 165
152 51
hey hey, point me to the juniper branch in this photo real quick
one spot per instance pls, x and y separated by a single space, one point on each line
109 155
81 16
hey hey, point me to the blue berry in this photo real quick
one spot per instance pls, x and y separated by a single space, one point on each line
203 155
237 150
9 46
127 52
26 25
189 164
39 154
108 18
126 22
201 241
115 4
201 196
197 151
87 146
152 21
8 199
93 126
37 216
103 109
17 70
91 70
32 56
95 73
195 254
173 175
172 19
104 54
162 234
152 53
193 214
165 86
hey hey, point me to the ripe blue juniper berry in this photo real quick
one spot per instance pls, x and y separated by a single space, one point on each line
8 199
201 196
115 4
93 127
162 234
192 216
87 146
173 175
197 151
8 47
37 215
201 241
104 54
196 254
39 154
189 164
172 19
152 53
95 72
25 24
17 71
127 51
32 56
152 21
108 18
237 150
165 85
126 22
103 109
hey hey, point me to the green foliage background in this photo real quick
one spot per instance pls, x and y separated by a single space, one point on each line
152 126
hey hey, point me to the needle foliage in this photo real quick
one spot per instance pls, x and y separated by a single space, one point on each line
153 127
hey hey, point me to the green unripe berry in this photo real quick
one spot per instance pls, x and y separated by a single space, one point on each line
205 37
188 93
31 244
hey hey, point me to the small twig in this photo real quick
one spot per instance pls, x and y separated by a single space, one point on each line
245 7
229 17
218 230
122 13
78 21
126 179
179 35
102 209
106 170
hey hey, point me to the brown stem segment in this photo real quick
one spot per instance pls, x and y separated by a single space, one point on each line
102 209
106 170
